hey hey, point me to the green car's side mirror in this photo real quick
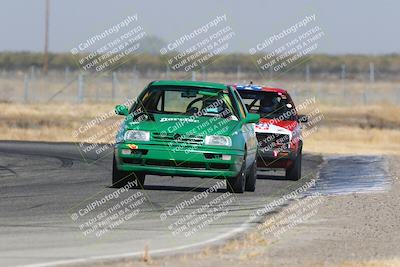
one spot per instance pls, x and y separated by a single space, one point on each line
121 110
252 118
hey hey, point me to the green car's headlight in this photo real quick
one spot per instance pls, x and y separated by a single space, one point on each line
136 135
218 140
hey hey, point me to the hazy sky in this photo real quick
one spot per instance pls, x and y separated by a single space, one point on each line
349 26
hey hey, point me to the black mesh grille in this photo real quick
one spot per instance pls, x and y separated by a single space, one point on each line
269 141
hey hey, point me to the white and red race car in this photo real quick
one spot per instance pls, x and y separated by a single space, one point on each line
279 129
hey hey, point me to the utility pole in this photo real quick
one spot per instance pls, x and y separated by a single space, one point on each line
46 39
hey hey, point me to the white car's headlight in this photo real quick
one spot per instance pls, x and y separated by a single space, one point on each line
218 140
136 135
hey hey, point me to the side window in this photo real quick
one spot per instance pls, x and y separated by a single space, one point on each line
242 108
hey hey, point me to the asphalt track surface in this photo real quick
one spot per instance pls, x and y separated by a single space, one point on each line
45 190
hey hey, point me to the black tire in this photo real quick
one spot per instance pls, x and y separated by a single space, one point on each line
294 171
237 184
251 178
122 178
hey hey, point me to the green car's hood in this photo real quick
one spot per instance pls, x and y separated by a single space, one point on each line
185 125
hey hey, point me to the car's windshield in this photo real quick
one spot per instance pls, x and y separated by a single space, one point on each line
187 100
269 105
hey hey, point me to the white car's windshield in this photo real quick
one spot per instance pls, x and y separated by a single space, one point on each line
268 104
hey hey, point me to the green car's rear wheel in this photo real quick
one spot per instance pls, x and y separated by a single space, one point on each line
122 178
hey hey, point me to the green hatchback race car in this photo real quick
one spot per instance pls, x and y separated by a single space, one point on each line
190 129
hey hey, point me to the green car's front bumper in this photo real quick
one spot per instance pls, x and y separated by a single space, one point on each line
165 160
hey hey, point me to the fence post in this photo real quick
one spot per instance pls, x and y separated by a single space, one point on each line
371 72
32 81
26 88
135 78
398 96
294 94
238 73
66 74
271 74
365 100
318 92
167 72
114 85
33 71
97 84
80 88
343 77
307 73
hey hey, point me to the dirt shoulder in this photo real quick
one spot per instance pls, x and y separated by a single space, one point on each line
345 230
355 229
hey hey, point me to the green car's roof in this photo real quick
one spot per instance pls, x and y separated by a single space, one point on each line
191 83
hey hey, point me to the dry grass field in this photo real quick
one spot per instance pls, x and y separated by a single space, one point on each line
355 130
375 263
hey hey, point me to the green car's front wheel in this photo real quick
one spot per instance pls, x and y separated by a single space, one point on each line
251 178
237 184
122 178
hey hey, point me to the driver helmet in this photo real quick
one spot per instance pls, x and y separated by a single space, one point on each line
268 105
